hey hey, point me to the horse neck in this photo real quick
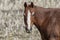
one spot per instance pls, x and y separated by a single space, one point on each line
43 19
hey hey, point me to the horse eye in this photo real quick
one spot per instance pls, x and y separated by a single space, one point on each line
32 13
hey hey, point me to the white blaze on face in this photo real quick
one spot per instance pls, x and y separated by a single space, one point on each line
28 19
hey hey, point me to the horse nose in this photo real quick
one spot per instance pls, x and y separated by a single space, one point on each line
28 30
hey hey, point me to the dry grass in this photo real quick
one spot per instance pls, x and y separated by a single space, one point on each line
11 19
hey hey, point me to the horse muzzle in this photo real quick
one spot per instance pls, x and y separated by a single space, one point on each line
28 30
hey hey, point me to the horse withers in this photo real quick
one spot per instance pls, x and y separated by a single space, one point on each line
47 21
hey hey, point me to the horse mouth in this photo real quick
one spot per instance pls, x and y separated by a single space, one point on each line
28 31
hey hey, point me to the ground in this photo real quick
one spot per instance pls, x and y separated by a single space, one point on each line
11 19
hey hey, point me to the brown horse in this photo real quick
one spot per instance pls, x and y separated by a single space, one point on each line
47 21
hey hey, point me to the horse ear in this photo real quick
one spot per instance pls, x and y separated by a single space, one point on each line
25 4
32 4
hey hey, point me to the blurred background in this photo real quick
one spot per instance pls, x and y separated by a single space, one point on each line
11 19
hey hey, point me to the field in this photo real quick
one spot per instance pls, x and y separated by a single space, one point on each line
11 19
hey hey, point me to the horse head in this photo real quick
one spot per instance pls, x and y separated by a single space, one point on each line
29 16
